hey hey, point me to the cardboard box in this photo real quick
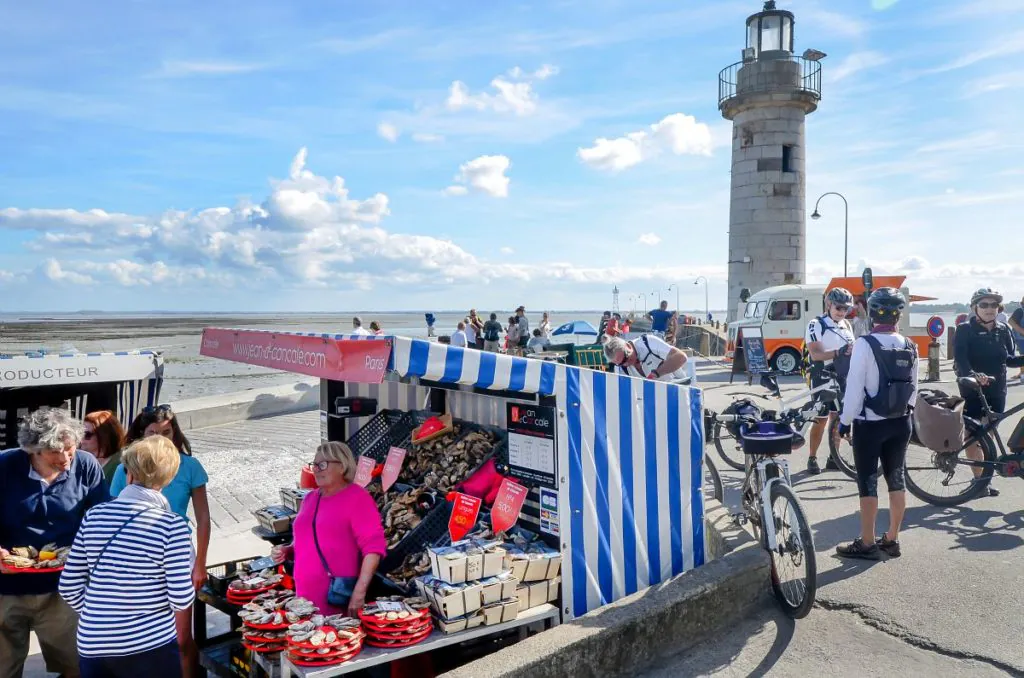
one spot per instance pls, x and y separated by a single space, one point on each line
501 612
554 586
292 497
538 594
523 595
495 561
276 518
494 589
474 566
449 564
450 601
464 623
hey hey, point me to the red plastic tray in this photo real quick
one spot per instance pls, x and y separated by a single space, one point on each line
416 639
308 663
399 633
267 627
335 652
31 570
305 645
265 650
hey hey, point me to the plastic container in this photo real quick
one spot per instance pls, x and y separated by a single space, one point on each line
307 480
767 438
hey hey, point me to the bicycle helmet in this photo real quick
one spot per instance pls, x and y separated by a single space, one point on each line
840 295
885 304
986 293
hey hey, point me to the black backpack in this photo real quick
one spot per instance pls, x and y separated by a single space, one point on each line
491 334
895 378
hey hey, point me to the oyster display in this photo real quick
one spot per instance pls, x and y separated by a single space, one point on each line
49 556
443 463
414 565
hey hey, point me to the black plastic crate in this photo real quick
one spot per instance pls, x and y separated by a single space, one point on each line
432 531
367 437
222 574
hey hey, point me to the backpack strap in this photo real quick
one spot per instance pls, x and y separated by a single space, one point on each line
876 350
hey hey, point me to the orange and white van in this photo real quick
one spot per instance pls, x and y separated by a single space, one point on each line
784 312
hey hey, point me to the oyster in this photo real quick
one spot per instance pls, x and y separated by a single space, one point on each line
414 565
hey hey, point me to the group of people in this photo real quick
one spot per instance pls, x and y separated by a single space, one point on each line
120 501
492 336
877 372
122 607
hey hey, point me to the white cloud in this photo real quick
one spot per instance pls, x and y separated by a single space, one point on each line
513 93
427 138
182 69
678 133
854 63
507 250
649 239
485 174
387 131
53 270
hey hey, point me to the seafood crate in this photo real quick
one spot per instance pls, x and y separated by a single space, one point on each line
432 531
397 434
370 433
222 574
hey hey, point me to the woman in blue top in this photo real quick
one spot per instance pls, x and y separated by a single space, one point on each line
188 484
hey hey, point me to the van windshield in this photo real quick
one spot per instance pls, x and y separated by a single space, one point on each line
755 309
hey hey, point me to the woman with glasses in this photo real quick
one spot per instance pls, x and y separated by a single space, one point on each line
104 439
338 533
980 349
45 490
188 484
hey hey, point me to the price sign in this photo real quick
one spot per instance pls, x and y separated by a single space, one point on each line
392 467
364 471
507 505
464 514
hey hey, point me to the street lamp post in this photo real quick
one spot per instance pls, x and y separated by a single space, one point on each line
846 224
707 308
675 285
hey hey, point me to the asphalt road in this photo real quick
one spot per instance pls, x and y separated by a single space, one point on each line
957 591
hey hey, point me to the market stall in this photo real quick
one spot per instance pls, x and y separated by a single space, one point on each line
610 464
124 382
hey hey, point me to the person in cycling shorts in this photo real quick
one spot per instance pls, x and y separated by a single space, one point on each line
981 347
881 389
647 357
829 339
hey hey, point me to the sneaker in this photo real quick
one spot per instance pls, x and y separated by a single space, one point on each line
812 466
830 465
891 548
857 549
992 492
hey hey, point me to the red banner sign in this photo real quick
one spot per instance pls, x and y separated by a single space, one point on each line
464 515
507 505
392 467
355 360
364 471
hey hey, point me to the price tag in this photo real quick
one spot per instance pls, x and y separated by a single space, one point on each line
364 471
464 515
507 505
392 467
390 606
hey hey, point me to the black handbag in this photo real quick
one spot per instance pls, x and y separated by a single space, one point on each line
340 589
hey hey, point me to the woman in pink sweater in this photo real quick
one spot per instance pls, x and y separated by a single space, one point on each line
348 529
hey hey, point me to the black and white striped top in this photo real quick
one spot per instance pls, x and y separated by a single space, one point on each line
128 604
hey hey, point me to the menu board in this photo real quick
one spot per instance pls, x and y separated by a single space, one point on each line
753 349
531 444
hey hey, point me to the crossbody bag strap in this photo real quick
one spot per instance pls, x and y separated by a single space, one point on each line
110 541
316 540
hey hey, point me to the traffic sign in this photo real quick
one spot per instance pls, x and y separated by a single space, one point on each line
936 326
962 318
867 278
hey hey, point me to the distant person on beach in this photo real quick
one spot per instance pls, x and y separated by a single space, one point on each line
430 323
375 327
478 328
512 336
605 317
357 327
538 342
545 326
471 332
659 319
524 326
492 334
459 336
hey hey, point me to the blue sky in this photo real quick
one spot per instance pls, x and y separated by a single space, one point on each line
184 155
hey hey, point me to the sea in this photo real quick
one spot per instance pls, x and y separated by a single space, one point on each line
177 336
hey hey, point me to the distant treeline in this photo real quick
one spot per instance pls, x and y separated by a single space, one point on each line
953 308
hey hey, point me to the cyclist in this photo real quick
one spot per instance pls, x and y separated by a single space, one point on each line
647 357
880 391
829 339
980 349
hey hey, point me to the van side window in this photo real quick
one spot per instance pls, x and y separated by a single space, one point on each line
785 310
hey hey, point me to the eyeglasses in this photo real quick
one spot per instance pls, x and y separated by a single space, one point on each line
320 465
988 304
88 435
153 409
842 308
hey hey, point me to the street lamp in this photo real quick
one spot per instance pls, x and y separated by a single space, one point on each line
707 310
675 285
846 224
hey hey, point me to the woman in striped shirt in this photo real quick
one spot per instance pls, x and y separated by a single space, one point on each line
130 570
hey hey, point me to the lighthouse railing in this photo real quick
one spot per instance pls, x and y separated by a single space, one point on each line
728 79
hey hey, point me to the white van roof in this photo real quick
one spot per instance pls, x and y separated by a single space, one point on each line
786 290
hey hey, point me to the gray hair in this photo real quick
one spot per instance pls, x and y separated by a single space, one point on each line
612 345
49 428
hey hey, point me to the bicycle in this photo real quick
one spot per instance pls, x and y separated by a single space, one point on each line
986 434
771 506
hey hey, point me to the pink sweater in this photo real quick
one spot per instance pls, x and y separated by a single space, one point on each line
348 526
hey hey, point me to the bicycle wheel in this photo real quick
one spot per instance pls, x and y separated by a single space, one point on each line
841 450
928 473
794 566
712 481
728 446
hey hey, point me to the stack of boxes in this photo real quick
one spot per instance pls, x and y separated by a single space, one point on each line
535 567
278 518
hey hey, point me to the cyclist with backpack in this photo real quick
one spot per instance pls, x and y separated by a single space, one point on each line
881 389
829 340
980 349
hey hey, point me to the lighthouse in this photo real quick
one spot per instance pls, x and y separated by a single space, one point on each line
767 96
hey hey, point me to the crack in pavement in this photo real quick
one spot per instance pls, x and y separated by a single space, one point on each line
877 619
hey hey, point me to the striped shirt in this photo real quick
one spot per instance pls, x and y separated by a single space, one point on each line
128 604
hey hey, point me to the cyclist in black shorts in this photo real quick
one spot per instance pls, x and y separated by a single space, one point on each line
980 350
880 391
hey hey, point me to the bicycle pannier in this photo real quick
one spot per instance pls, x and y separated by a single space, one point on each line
896 370
939 421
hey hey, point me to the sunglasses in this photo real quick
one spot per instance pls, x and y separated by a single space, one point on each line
153 409
988 304
842 308
320 465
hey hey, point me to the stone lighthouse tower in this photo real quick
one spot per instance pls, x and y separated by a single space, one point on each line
767 96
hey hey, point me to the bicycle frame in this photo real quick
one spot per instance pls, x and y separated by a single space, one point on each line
760 483
983 429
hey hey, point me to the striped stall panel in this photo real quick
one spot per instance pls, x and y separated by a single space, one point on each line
481 409
390 395
455 365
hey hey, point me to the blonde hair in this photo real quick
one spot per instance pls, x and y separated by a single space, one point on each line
153 461
341 453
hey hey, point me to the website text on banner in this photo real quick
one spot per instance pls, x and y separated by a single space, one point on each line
338 359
